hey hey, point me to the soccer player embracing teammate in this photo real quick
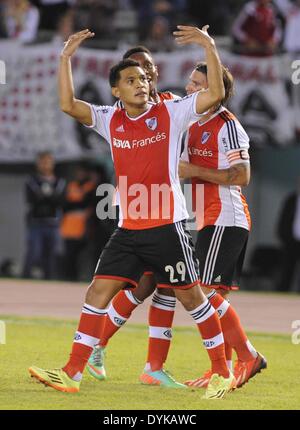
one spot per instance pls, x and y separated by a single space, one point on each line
217 148
145 142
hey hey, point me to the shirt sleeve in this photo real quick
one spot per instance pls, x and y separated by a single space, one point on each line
101 117
183 111
185 154
234 142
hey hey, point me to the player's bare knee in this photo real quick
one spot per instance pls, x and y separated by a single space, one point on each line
103 290
166 292
206 290
145 287
224 293
191 298
93 290
96 286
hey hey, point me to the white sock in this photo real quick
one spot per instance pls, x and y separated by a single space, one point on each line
77 377
147 367
251 348
229 364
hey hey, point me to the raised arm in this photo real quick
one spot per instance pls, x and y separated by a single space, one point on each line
78 109
215 92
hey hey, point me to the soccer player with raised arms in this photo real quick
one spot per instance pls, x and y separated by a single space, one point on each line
162 309
156 238
224 256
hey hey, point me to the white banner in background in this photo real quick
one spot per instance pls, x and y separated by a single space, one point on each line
30 119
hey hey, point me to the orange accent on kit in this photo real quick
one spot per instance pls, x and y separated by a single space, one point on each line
94 369
149 380
89 321
56 387
124 307
157 352
208 329
233 330
160 317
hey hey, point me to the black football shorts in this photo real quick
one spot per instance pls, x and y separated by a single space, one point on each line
221 252
167 251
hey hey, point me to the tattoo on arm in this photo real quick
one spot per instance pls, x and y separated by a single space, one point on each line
237 174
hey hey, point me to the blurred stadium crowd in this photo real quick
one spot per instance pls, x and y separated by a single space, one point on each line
60 247
259 27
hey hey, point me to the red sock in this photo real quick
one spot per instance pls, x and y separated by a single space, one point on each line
87 336
119 311
209 326
161 314
233 331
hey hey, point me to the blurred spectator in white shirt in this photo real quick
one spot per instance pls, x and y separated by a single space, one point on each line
291 12
256 30
21 20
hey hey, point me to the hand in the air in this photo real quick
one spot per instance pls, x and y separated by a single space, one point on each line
187 34
71 45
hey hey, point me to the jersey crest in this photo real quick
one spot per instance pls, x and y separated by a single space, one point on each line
151 123
205 136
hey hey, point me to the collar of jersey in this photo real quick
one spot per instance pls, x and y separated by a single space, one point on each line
142 114
221 109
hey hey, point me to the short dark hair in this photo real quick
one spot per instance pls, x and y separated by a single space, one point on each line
114 73
136 50
227 80
43 154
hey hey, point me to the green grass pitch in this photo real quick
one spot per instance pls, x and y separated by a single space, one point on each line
46 343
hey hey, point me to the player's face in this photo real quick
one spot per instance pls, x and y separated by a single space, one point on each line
147 64
45 165
133 86
197 81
